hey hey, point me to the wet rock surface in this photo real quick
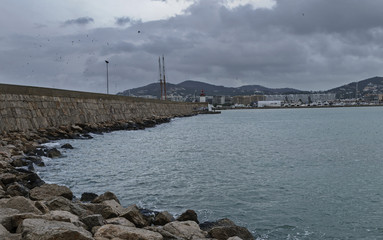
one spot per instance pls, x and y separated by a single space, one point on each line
32 209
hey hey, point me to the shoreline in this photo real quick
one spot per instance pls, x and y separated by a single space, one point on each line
28 205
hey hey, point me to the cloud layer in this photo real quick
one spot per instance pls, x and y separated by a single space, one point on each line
306 44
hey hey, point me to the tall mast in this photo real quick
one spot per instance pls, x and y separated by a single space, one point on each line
159 64
163 67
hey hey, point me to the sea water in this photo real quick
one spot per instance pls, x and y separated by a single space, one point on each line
282 173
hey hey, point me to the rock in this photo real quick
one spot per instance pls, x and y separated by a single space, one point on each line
4 164
17 189
234 238
98 208
120 221
22 204
106 196
122 232
93 221
225 232
115 206
163 218
7 178
4 234
31 179
87 197
19 161
42 207
133 214
189 215
185 229
207 226
2 193
149 215
40 229
67 146
36 160
49 191
5 217
64 216
61 203
76 128
225 228
53 153
167 235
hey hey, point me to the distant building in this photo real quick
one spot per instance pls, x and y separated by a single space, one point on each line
247 100
176 98
269 104
304 98
219 100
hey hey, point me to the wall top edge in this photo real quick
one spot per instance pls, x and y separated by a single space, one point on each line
52 92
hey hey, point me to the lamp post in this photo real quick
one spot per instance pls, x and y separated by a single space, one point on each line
107 77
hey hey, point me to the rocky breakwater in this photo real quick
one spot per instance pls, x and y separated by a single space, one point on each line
32 209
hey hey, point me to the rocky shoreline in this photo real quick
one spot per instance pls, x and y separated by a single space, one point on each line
32 209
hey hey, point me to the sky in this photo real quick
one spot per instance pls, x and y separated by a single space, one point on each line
302 44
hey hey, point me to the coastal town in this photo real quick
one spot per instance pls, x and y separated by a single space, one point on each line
368 92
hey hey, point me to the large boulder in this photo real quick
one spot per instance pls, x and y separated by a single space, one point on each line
167 235
23 205
53 153
17 189
49 191
64 216
7 178
93 220
5 217
41 229
107 210
189 215
128 233
67 146
63 204
3 194
186 230
224 229
114 206
106 196
234 238
120 221
225 232
207 226
6 235
133 214
163 218
87 197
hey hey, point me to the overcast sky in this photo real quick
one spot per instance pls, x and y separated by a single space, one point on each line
304 44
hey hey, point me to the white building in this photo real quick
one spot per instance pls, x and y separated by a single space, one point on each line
269 103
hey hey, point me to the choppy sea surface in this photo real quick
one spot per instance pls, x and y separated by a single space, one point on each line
282 173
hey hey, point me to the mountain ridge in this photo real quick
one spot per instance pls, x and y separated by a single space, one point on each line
190 88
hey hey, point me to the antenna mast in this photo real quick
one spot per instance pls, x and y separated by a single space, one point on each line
159 64
163 67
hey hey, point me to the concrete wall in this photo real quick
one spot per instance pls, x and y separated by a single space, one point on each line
27 108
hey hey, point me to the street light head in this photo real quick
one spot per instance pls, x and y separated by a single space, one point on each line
106 61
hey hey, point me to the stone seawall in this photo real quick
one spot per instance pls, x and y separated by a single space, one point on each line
25 108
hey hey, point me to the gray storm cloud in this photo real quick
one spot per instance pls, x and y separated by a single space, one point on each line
305 44
79 21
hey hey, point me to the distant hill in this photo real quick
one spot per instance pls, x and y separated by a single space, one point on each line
189 88
366 88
